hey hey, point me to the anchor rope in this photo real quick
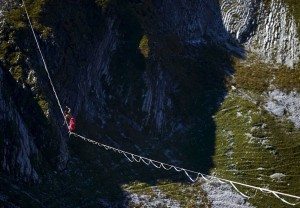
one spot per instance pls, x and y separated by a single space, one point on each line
44 63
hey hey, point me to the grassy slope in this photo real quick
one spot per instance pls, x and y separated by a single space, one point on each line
281 141
256 76
253 139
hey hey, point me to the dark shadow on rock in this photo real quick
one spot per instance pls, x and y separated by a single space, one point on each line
198 69
25 132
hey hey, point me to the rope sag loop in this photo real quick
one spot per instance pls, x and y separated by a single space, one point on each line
188 175
166 168
204 177
131 160
136 160
244 195
144 161
177 169
220 181
153 163
283 200
158 164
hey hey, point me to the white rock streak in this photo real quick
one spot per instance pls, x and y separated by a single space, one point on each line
268 30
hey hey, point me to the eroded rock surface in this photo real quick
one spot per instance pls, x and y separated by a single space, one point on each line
267 29
283 104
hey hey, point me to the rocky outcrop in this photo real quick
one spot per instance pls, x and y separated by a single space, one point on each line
157 199
157 102
184 29
268 29
18 147
95 106
221 195
284 104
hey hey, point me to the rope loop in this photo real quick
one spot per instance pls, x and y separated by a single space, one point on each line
154 163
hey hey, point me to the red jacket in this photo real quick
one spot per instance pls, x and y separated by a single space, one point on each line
72 124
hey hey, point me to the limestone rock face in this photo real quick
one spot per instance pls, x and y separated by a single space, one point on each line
18 145
267 29
284 104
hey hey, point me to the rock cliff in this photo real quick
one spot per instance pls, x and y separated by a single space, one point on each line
268 29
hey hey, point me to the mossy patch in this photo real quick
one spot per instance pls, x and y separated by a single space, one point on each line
252 77
287 79
17 72
144 46
256 76
44 105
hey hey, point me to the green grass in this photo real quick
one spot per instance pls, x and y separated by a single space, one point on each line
242 127
187 195
241 149
255 76
43 105
287 79
283 141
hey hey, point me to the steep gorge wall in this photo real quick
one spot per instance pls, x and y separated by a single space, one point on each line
267 28
17 143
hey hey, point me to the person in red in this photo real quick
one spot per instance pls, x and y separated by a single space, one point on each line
70 119
72 125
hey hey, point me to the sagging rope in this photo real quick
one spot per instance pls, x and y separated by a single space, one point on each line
148 161
157 164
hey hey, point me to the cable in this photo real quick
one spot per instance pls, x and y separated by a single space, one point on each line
44 63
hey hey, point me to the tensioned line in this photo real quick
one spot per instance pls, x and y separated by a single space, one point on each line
44 62
157 164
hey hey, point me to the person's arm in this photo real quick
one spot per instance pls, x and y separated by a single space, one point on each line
68 110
